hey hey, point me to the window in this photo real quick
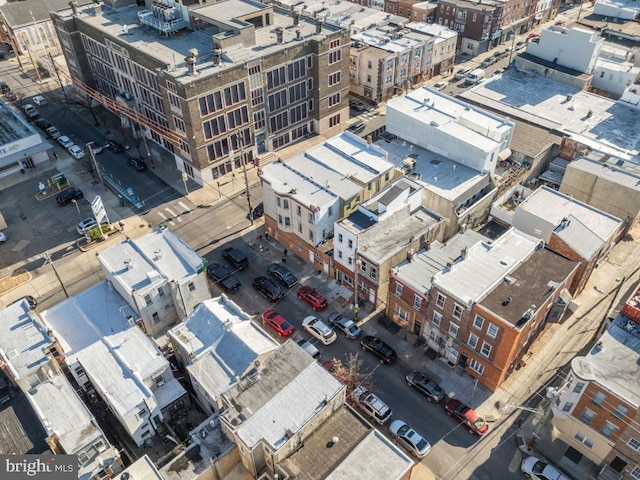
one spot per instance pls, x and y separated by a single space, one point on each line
82 457
285 203
608 429
192 287
417 301
633 444
584 440
298 210
453 329
440 300
311 235
160 292
492 330
335 120
334 78
339 253
335 56
155 317
402 314
620 412
587 416
457 311
473 341
567 406
142 412
437 318
340 237
310 217
578 388
478 321
635 473
599 398
287 222
147 299
476 366
373 272
334 99
486 349
398 289
79 371
350 243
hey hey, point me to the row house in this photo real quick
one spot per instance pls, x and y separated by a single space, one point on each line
217 84
108 355
473 21
484 308
382 232
304 196
443 56
402 8
597 410
30 356
218 345
569 227
160 276
424 12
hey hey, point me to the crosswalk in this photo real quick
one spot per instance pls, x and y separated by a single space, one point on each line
174 214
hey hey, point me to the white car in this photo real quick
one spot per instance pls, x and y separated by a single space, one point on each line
76 151
53 132
371 404
319 329
65 141
411 440
535 469
39 100
86 224
440 85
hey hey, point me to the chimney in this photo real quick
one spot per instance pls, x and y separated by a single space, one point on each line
74 7
298 34
369 139
410 254
216 52
296 17
191 61
318 25
97 7
463 253
279 34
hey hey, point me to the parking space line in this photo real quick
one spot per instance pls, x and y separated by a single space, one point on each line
186 208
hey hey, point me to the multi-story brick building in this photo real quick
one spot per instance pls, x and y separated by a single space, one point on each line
216 84
483 309
596 412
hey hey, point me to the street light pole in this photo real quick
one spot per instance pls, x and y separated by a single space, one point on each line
513 41
50 260
95 164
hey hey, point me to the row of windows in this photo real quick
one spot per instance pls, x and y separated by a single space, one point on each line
222 123
289 73
232 95
221 148
146 77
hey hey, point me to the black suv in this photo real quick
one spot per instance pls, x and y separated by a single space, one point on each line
357 127
384 352
137 164
65 197
235 258
223 276
282 273
425 385
268 289
115 146
257 212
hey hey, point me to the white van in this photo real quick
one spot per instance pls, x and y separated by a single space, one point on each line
474 77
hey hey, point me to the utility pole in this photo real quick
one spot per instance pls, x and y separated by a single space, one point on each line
357 264
55 68
244 170
49 260
95 164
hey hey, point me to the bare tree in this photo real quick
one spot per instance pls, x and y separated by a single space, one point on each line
351 373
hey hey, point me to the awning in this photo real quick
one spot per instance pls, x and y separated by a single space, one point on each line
22 154
565 296
504 154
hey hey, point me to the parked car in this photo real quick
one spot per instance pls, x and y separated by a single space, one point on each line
223 277
115 146
71 193
53 132
346 326
371 404
235 258
520 46
76 151
268 289
357 127
317 328
499 71
462 73
39 100
278 323
282 274
309 348
65 141
30 300
3 237
467 416
357 105
425 385
85 225
43 123
95 149
440 85
313 298
385 353
137 164
30 111
257 211
411 440
535 469
487 62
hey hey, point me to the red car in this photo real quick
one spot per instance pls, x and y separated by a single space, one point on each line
313 298
278 323
467 416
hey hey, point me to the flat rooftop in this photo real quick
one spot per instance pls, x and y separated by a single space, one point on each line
418 273
380 38
444 177
12 126
476 273
553 206
614 362
560 107
530 286
171 50
23 339
625 174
